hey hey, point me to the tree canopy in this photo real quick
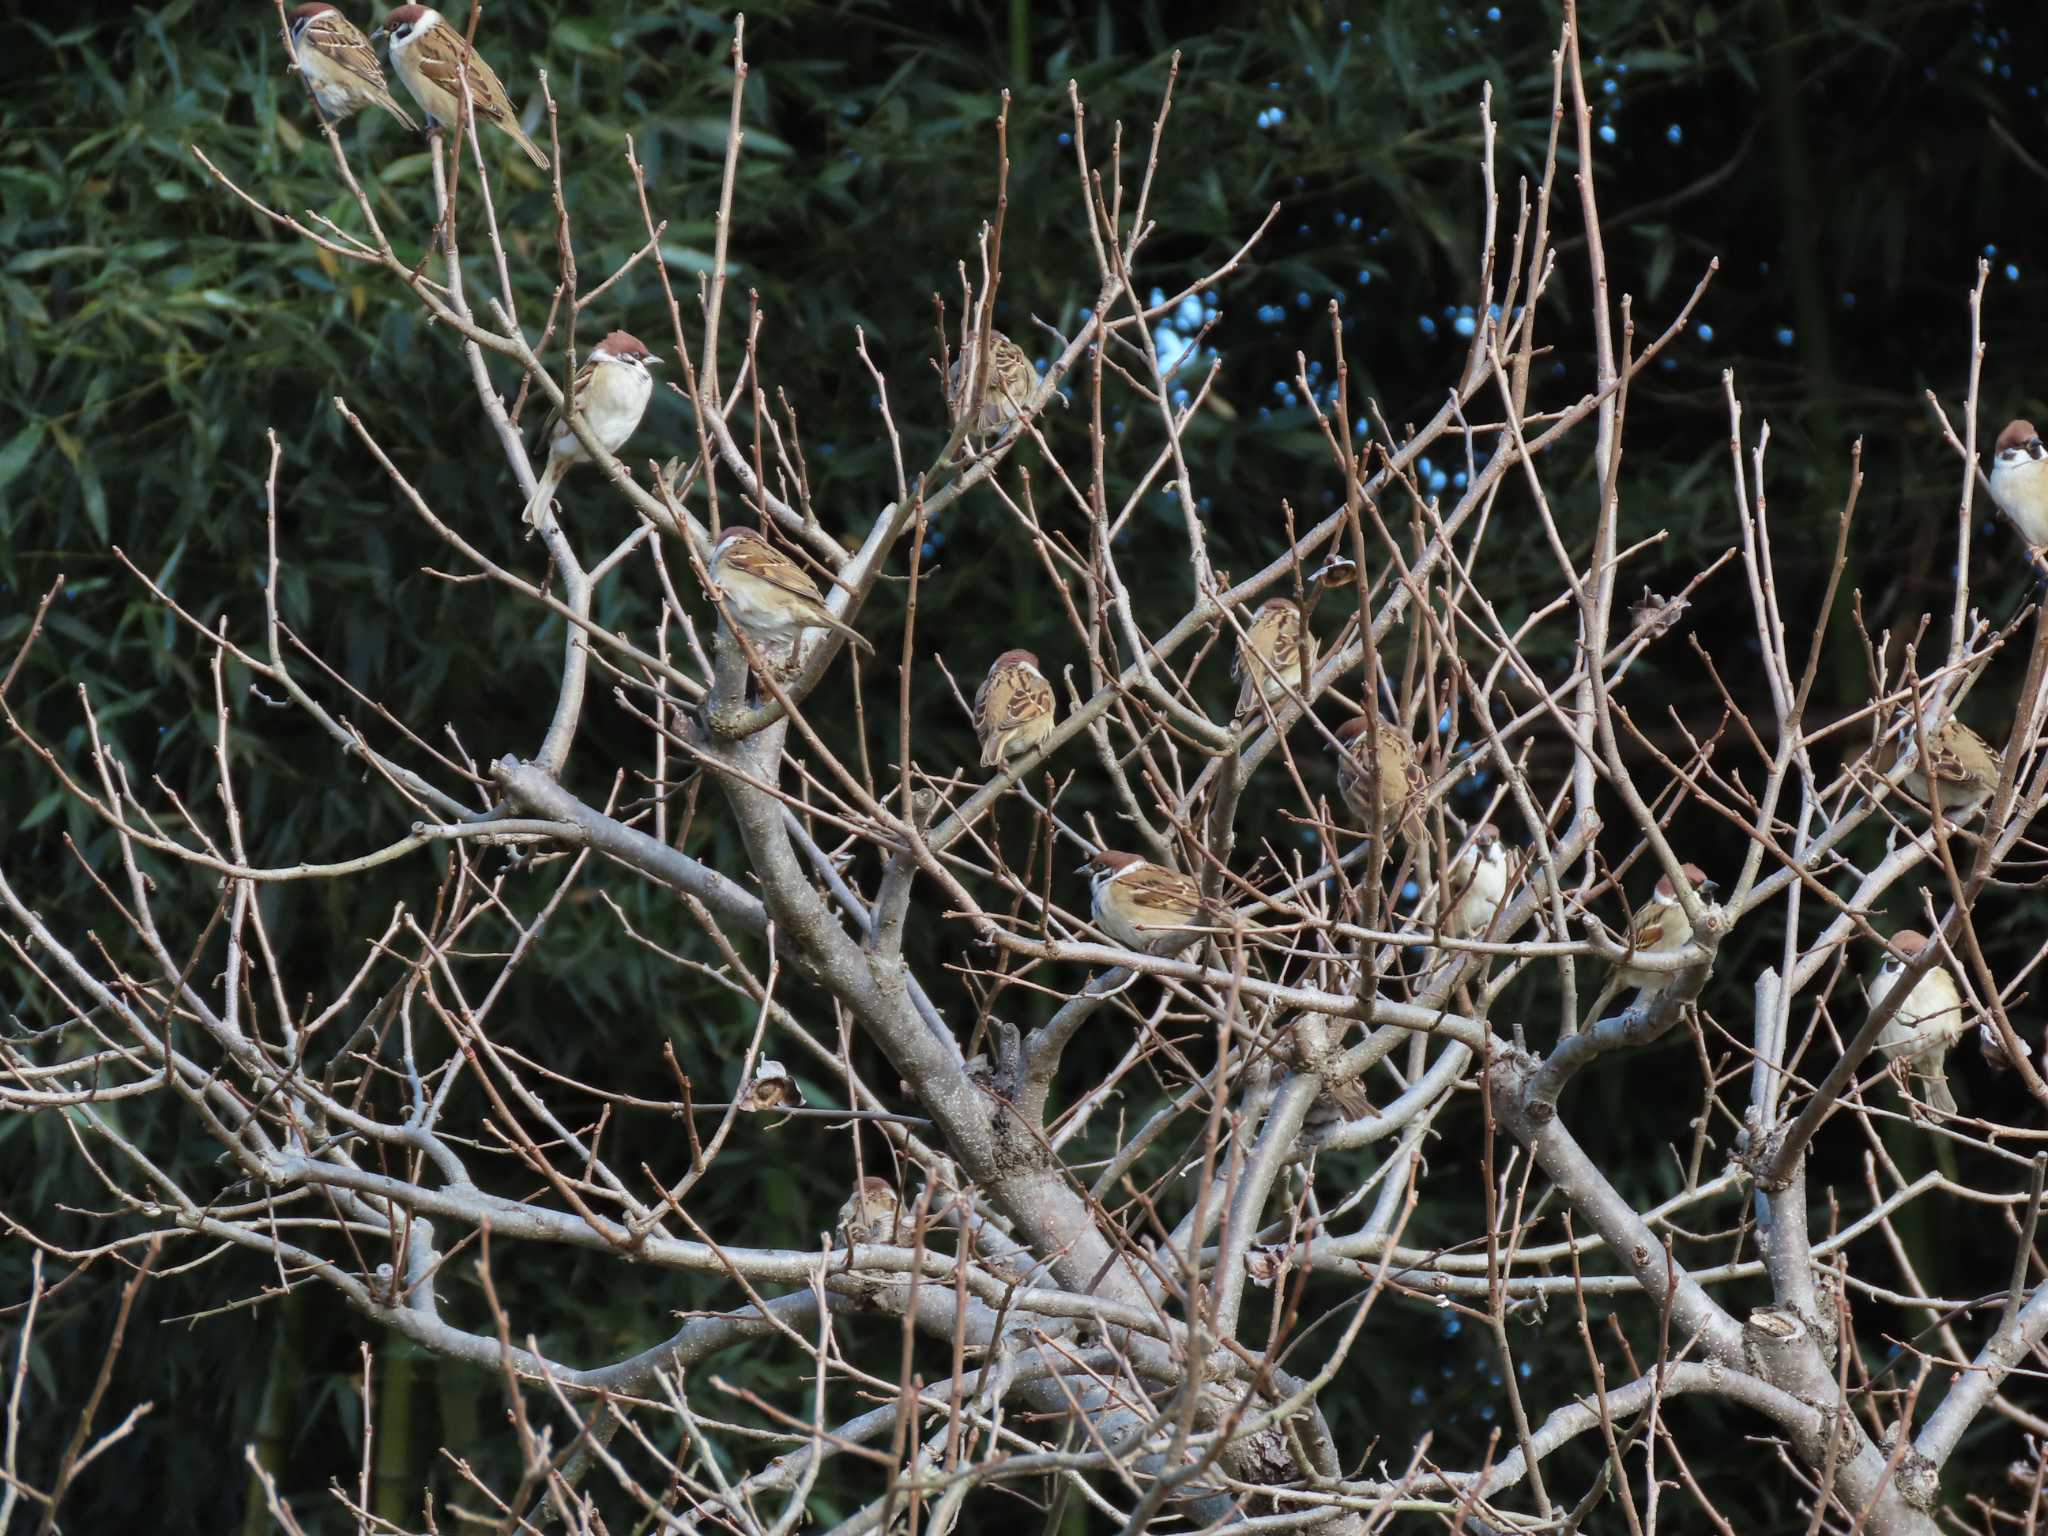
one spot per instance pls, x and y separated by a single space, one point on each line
1847 168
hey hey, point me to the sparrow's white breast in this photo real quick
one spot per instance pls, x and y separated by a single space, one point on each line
1931 1015
2022 490
334 85
615 402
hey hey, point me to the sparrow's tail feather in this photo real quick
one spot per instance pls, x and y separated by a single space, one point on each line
544 492
389 104
1351 1098
847 630
533 150
1935 1083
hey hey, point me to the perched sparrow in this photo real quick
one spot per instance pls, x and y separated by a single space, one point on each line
1477 881
1008 384
1654 614
1379 794
2019 480
1927 1023
1661 928
1274 656
1965 768
869 1215
1014 710
431 56
1348 1099
610 392
767 593
339 63
1144 906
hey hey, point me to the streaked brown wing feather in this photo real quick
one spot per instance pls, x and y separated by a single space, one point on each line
344 44
1264 639
1173 899
1011 698
1961 756
442 57
577 389
778 570
1648 928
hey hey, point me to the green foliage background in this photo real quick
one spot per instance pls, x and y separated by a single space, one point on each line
1848 164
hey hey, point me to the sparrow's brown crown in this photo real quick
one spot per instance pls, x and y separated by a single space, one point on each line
1109 860
402 14
736 531
1275 602
2017 434
626 344
1486 834
1015 658
1695 877
308 12
1909 942
1355 728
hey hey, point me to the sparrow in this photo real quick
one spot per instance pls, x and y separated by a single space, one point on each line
1477 882
339 64
1144 906
1965 768
1274 655
1010 381
610 392
1349 1100
2019 480
1014 710
1654 614
767 594
1381 793
1927 1023
1661 928
430 56
869 1215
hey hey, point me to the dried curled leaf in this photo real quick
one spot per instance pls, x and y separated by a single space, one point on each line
1263 1265
771 1087
1337 571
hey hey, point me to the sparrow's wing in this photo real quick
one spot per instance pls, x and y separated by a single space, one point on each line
1961 756
1011 697
1241 663
1165 898
1015 371
443 57
1459 877
342 41
1647 930
778 571
578 388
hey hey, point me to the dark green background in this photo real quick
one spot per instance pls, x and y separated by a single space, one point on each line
1848 165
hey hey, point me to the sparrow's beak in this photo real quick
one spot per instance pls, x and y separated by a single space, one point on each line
1086 867
378 35
1709 887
